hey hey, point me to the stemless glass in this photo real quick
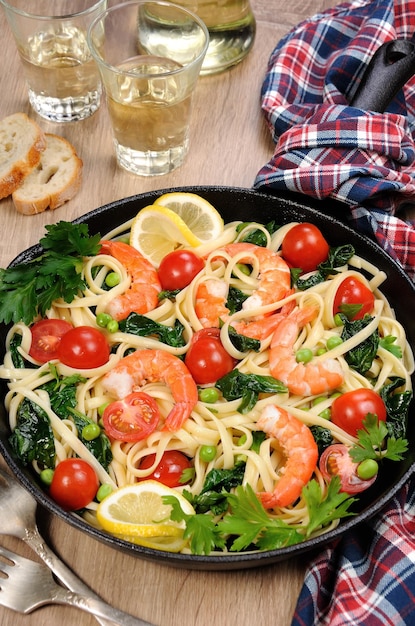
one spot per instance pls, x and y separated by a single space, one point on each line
63 80
149 54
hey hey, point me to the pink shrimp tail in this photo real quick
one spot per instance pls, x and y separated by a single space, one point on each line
300 449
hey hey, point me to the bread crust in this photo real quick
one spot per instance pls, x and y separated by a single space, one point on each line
55 180
22 142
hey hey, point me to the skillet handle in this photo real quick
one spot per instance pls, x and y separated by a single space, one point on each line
390 68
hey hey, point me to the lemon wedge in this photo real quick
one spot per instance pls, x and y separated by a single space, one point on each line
198 214
137 512
157 230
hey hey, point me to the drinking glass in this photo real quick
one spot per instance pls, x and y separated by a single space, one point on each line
149 54
63 80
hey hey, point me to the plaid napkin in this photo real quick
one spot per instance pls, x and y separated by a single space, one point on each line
328 149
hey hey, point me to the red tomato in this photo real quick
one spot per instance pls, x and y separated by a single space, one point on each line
170 468
74 484
83 347
336 460
353 291
304 246
46 337
178 269
350 409
207 359
133 418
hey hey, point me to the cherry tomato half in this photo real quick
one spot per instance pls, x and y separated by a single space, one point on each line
83 347
178 268
336 460
170 468
304 246
352 291
207 359
46 337
351 408
133 418
74 484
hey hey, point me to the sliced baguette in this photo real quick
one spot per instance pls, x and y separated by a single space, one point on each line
22 142
54 181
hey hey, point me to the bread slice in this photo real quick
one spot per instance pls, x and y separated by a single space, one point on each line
22 142
54 181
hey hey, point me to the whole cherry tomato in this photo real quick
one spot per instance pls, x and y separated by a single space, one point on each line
350 294
304 246
336 461
349 410
178 268
170 469
74 484
206 358
133 418
83 347
46 337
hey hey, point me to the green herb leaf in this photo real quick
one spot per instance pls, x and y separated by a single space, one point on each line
323 510
28 289
371 441
142 326
388 343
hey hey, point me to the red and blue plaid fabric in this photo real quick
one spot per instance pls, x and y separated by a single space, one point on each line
328 149
368 578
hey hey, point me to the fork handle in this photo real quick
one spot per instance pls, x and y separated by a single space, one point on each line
96 607
34 539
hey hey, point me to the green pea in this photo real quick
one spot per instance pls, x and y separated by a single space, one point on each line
112 326
242 440
338 320
46 476
244 269
318 400
367 469
210 395
333 342
325 414
112 279
207 453
102 408
103 319
91 431
103 492
321 351
304 355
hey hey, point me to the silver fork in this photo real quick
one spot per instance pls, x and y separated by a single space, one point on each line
26 586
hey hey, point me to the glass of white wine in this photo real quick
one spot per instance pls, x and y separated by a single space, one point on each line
63 80
149 54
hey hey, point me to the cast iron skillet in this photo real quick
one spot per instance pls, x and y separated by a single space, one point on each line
245 205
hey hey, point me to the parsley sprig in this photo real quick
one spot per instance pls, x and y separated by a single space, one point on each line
28 289
247 525
375 443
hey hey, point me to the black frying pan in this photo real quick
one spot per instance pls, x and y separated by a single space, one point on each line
245 205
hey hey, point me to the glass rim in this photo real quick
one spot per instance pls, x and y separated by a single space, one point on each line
65 16
100 61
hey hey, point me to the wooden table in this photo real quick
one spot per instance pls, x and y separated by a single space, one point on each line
229 143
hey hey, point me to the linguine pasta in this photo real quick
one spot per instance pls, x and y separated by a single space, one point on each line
219 424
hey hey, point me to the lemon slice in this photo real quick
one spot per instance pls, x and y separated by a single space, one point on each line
168 544
137 511
157 230
197 213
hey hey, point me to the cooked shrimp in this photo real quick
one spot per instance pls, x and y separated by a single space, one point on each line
141 296
274 280
303 379
298 446
145 366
